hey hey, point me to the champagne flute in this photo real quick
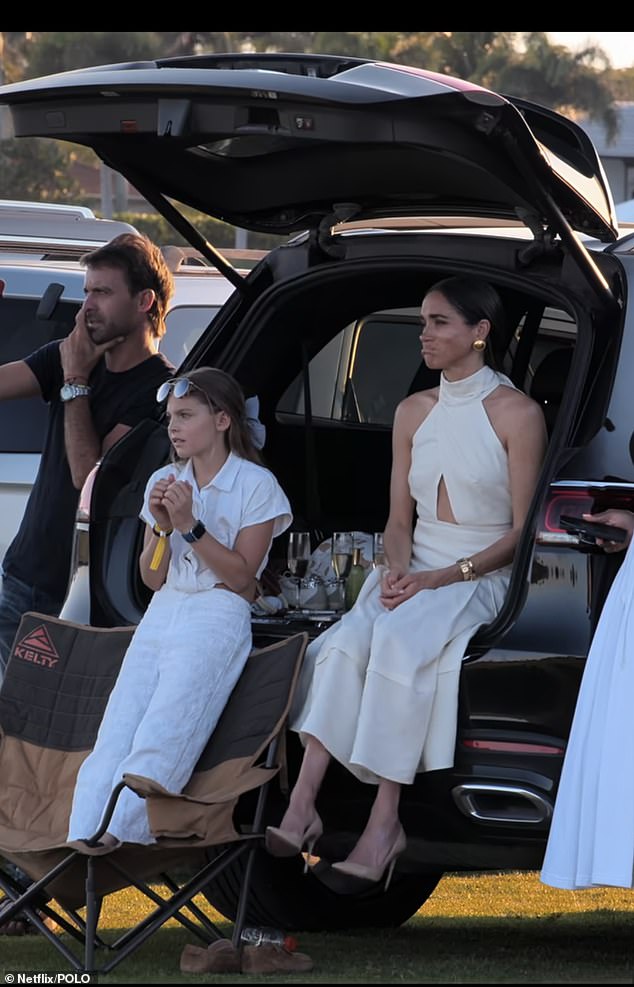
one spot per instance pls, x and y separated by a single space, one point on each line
298 558
378 550
341 553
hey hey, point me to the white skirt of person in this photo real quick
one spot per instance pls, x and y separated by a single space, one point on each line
380 688
591 839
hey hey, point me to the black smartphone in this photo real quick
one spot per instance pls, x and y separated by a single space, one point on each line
591 530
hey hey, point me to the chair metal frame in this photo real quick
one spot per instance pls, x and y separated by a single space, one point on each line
35 902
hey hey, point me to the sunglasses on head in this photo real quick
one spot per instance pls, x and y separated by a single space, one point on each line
179 387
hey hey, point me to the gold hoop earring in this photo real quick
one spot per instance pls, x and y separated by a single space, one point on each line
479 345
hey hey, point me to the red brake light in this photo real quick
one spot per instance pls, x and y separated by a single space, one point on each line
568 502
512 747
579 499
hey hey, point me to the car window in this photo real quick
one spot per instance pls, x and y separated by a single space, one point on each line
385 359
361 375
23 422
185 324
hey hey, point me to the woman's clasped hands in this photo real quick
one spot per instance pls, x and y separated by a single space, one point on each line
399 585
171 504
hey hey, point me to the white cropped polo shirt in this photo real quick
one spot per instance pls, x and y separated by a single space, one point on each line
241 494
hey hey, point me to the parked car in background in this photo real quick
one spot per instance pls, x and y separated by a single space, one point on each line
386 179
40 229
41 288
625 211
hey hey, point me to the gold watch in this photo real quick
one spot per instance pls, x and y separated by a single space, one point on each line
466 568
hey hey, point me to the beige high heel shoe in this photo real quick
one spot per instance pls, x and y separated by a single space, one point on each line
375 874
284 843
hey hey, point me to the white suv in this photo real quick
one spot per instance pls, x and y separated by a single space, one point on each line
41 288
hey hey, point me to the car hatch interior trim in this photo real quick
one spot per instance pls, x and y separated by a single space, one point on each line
437 143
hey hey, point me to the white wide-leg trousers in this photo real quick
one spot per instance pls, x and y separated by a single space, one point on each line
182 664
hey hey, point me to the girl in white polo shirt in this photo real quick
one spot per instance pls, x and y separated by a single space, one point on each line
211 517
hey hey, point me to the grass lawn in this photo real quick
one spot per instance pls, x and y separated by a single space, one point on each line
494 928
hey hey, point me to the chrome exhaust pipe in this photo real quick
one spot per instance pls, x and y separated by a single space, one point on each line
492 803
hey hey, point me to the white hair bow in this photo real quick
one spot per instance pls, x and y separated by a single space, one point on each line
256 429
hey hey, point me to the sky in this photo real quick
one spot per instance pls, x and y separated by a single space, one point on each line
619 45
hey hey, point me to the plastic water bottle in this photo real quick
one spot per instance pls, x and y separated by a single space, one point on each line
265 936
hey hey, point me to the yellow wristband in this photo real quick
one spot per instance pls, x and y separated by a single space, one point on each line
162 532
159 551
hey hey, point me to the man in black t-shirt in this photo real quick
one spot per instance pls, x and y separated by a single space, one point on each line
99 382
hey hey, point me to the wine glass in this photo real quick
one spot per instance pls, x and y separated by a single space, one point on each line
298 558
378 550
341 553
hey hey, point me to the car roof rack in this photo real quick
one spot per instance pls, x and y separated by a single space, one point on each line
9 206
57 228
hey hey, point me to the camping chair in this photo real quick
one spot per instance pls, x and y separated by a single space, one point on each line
51 703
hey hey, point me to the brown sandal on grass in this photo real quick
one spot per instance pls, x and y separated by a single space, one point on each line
18 926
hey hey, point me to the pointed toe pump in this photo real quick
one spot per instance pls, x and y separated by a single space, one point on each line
375 874
285 843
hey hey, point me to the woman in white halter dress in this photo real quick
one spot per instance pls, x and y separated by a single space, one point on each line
398 669
591 840
379 690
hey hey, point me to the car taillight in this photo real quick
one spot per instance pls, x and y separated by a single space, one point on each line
80 552
77 603
512 747
83 507
573 502
579 498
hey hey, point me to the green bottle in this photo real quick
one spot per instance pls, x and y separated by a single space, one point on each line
355 580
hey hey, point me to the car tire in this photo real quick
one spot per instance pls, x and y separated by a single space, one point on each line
284 897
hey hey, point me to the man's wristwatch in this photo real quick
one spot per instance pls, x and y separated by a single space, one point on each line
196 533
70 391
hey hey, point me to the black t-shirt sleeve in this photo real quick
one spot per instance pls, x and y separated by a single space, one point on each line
45 363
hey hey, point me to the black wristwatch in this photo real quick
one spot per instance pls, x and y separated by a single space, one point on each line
196 533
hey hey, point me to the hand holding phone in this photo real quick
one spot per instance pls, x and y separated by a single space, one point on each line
589 531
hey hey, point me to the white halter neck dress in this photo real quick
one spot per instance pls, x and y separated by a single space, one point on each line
380 688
